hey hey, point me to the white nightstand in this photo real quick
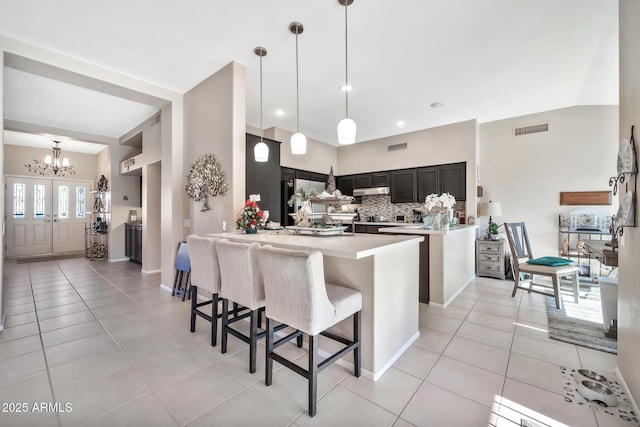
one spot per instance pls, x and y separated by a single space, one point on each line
490 258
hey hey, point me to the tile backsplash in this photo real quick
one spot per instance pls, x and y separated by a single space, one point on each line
381 205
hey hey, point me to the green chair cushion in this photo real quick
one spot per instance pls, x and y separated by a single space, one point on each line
551 261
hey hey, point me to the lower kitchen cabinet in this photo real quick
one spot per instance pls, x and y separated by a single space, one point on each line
133 242
490 259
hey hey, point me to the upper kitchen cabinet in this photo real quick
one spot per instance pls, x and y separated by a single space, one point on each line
450 178
363 181
346 184
380 179
403 186
428 181
287 173
318 177
453 179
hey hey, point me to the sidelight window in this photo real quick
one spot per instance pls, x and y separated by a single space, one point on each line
19 204
81 202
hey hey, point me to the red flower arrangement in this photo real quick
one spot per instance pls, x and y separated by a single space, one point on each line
250 217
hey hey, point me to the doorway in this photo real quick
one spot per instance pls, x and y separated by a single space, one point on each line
45 216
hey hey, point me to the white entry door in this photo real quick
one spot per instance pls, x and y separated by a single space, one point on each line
69 215
28 208
45 216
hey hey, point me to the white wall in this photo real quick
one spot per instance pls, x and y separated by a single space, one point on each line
2 193
214 122
527 173
443 144
628 289
151 191
320 157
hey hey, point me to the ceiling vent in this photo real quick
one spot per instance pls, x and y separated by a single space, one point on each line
396 147
526 130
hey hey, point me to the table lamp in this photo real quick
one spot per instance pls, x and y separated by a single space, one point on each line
489 209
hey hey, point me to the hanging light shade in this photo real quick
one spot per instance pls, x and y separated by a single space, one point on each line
298 140
346 126
261 149
298 143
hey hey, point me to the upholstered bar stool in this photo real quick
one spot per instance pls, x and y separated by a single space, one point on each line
241 284
296 294
205 276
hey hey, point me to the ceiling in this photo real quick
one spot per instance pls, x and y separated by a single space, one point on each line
484 60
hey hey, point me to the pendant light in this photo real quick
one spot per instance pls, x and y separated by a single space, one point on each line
261 149
298 140
346 126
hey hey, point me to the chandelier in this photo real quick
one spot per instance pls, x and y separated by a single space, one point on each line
52 164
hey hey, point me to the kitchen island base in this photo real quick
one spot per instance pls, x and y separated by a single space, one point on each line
385 270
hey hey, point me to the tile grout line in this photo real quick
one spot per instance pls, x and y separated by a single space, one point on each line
44 353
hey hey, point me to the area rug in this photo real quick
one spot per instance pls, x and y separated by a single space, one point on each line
581 323
622 411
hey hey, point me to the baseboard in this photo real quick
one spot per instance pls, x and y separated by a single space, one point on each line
373 376
118 259
166 288
454 296
148 272
621 381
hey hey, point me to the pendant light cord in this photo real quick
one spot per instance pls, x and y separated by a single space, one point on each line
297 90
261 128
346 60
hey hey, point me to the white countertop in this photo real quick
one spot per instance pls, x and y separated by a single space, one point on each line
354 246
385 223
419 229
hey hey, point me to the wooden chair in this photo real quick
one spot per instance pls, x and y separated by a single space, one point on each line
521 248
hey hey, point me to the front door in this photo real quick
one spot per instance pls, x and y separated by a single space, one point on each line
69 215
45 216
28 208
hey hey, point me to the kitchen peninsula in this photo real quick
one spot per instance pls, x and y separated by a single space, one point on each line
451 259
384 269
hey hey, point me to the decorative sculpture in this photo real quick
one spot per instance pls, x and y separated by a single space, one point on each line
205 178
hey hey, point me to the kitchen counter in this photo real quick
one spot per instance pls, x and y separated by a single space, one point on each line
417 229
451 263
384 268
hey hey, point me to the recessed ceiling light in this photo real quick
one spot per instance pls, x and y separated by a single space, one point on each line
436 105
279 113
400 123
346 88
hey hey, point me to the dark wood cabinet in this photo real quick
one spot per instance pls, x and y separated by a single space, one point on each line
370 229
412 184
403 186
287 173
346 184
428 181
133 242
319 177
300 174
453 179
380 179
363 181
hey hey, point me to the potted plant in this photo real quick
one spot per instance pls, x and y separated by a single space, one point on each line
493 231
250 218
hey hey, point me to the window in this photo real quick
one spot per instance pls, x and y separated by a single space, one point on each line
18 200
63 202
39 198
81 202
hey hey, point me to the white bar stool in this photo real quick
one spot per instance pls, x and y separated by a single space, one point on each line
242 284
205 276
297 295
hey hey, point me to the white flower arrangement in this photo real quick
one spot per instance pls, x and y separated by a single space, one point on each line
439 203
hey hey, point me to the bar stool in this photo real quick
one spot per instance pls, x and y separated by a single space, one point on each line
205 276
183 271
296 294
242 284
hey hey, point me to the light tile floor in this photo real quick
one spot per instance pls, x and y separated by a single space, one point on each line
116 347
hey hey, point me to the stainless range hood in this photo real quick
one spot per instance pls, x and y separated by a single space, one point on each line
371 191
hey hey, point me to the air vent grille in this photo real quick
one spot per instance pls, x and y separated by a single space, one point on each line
396 147
526 130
